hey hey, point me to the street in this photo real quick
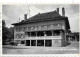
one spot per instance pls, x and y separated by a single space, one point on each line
73 48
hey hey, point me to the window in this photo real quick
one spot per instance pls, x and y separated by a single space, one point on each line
48 33
35 28
55 26
22 36
23 42
25 29
51 26
56 33
16 35
21 29
29 34
44 27
29 28
33 42
59 26
48 42
40 42
33 34
39 27
32 28
40 33
48 27
27 42
17 29
19 35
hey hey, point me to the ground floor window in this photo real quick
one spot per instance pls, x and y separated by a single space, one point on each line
40 42
23 42
37 42
27 42
33 42
48 42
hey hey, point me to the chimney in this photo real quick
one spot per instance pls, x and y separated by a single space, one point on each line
57 10
38 14
25 16
63 11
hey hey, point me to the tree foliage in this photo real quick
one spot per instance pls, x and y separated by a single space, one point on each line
7 33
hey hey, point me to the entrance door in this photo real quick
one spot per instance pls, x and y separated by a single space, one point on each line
27 42
48 43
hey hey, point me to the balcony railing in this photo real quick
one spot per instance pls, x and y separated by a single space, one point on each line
41 37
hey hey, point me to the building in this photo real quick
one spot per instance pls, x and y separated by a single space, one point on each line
44 29
73 36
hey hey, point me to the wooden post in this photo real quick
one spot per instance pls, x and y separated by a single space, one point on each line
30 42
44 33
52 33
44 42
30 34
36 34
61 34
36 42
75 38
25 42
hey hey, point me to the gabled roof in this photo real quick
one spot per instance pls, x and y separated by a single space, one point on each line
52 14
44 17
40 16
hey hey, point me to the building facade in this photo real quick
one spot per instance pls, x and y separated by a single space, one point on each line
44 29
73 36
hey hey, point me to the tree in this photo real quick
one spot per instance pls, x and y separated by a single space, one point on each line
69 31
5 32
3 23
11 29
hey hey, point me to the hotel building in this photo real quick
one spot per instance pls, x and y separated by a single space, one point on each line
44 29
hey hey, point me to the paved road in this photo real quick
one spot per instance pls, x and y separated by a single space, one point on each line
71 49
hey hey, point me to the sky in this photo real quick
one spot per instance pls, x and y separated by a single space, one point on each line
12 13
